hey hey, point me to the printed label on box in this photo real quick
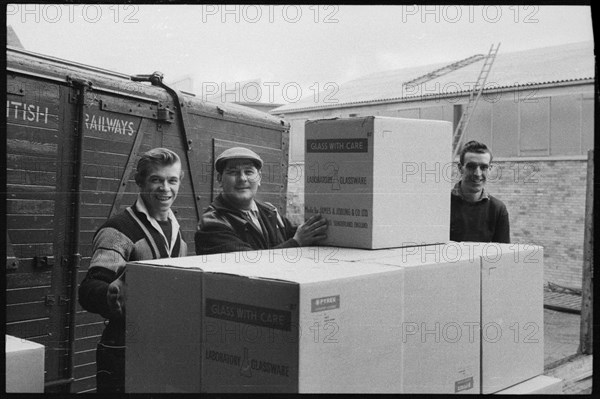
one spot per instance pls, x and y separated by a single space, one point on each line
463 385
254 315
324 303
337 145
248 365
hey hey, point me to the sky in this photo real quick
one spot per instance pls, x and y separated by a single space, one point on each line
289 52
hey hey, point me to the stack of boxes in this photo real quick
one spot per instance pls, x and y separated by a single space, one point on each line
415 314
290 321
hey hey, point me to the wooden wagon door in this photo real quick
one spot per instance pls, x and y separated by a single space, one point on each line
38 270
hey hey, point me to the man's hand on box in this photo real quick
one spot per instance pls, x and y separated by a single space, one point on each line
312 231
116 296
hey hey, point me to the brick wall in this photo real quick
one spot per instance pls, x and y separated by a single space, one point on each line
546 205
545 201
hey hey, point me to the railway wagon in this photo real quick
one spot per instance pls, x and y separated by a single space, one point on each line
74 134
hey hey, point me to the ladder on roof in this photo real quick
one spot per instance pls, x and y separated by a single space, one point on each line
444 70
459 132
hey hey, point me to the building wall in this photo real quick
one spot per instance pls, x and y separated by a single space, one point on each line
546 204
540 138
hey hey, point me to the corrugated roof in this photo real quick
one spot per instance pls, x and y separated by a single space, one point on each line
547 65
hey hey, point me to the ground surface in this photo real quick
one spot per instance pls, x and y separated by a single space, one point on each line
561 335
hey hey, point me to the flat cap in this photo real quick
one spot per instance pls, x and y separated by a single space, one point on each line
237 153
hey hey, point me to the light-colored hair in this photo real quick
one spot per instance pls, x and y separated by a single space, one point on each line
155 157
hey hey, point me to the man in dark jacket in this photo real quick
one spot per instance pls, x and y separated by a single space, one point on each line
146 230
236 221
475 215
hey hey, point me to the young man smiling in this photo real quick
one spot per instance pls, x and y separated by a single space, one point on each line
146 230
236 221
475 215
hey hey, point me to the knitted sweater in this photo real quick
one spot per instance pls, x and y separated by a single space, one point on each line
485 220
128 236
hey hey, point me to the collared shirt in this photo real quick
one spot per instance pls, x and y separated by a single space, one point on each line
141 207
458 192
252 214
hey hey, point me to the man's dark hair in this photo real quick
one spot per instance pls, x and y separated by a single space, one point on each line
155 157
474 146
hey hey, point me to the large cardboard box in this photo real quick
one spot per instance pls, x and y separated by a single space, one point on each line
271 322
540 385
441 301
24 366
287 321
303 326
510 324
163 328
382 182
512 313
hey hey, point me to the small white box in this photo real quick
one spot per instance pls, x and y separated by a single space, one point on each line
24 365
381 182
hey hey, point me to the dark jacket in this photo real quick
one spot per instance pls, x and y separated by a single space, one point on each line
223 228
483 221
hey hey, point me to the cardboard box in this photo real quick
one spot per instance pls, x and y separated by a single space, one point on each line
281 321
540 385
441 301
512 313
163 329
511 299
304 327
382 182
24 365
327 254
270 324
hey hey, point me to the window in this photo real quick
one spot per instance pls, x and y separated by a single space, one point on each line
565 125
587 125
505 128
480 125
534 126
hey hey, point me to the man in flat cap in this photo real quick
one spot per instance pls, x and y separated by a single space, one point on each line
236 221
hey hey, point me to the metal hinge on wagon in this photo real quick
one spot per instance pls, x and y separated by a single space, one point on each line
156 111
